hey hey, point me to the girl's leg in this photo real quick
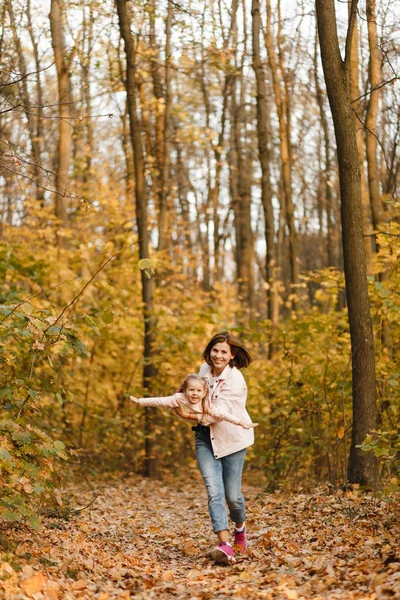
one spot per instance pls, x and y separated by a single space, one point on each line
211 470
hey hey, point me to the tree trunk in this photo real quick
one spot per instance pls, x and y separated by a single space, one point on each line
241 179
149 370
375 78
63 156
357 105
265 159
281 101
32 119
362 467
162 110
332 233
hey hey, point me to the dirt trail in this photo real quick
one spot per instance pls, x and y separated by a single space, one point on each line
145 539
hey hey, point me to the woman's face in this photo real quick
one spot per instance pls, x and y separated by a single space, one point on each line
220 356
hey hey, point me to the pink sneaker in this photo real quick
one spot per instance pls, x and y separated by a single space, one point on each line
240 543
223 554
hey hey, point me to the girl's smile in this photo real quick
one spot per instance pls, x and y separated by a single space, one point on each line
195 391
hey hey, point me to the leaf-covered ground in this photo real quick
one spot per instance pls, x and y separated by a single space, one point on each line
145 539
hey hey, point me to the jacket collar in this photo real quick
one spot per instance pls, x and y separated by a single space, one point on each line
224 375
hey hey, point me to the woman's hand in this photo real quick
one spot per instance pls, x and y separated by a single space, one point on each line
135 400
248 425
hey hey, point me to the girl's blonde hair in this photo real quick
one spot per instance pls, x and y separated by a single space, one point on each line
205 403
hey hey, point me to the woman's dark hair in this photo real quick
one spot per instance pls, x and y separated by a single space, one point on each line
241 357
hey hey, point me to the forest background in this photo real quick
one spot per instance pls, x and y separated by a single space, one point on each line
136 225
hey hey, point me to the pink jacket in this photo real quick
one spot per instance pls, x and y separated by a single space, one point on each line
229 394
216 413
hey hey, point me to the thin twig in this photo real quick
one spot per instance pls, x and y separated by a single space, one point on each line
35 296
79 510
22 406
377 87
86 285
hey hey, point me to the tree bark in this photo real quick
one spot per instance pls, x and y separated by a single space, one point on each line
63 156
357 105
333 227
163 97
240 185
149 370
265 159
362 467
32 119
281 101
375 78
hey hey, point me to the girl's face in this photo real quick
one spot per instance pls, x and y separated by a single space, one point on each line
220 356
195 391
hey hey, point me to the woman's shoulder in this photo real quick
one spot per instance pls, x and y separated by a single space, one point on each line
204 369
235 374
234 381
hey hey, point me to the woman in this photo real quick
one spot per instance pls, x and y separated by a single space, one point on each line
221 446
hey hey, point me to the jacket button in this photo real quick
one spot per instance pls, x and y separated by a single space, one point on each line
212 438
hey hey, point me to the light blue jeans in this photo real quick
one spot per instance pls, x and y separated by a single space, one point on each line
223 481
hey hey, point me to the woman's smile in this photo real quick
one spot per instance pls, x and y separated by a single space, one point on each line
221 355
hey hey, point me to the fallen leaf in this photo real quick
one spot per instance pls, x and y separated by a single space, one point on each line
34 584
52 589
79 585
189 549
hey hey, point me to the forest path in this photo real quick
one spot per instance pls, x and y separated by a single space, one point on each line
146 539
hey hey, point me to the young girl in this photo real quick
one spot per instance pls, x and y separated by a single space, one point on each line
194 400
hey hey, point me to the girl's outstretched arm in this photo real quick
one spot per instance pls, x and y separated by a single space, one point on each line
167 401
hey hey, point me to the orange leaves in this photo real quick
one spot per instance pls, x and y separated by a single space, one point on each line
150 541
189 549
33 584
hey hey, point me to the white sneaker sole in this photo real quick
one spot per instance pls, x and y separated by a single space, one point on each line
221 558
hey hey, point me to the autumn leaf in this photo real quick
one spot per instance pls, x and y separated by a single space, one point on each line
33 584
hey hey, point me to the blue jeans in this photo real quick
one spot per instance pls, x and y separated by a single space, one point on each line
223 480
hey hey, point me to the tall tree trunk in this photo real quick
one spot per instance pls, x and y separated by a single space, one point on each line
63 157
149 370
39 98
265 159
363 467
360 139
332 224
375 78
31 117
281 101
163 97
241 180
128 154
86 69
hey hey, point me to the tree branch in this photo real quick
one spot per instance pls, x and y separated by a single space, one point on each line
350 30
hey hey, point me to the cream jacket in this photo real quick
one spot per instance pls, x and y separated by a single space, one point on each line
216 413
229 394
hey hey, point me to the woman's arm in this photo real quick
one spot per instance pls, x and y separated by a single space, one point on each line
223 415
183 410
